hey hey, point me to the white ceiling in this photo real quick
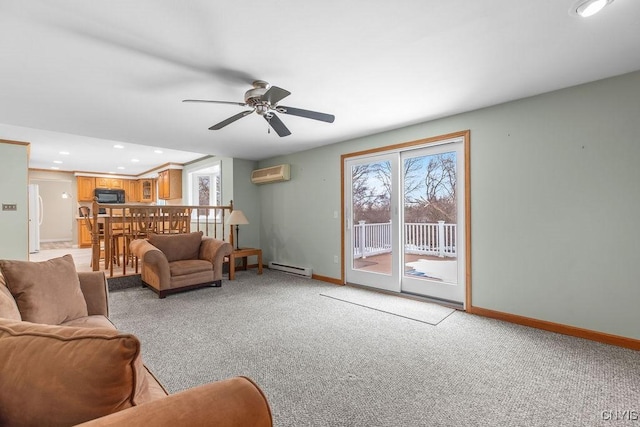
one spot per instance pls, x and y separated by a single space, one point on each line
117 70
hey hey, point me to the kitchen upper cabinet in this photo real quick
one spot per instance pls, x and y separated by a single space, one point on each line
170 184
117 184
86 185
131 190
146 190
135 190
110 183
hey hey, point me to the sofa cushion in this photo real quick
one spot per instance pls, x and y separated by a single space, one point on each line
189 266
178 246
62 375
94 321
8 306
45 292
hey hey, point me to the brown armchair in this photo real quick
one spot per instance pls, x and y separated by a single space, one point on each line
176 262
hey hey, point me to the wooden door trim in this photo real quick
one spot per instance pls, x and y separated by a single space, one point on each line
466 139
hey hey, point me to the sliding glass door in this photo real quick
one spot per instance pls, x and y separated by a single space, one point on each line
433 222
405 220
371 222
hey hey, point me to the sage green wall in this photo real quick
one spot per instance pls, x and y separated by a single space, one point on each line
14 225
555 200
247 199
298 224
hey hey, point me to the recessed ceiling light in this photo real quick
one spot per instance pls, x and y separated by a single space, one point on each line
118 146
586 8
64 153
55 167
158 151
120 167
58 162
135 160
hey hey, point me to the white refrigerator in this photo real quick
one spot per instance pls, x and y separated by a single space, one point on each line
35 218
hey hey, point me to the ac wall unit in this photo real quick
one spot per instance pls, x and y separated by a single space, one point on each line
271 174
292 269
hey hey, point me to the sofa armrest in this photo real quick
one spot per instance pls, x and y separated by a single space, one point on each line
233 402
153 259
96 292
214 251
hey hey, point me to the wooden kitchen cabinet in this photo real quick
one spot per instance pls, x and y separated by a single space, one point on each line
146 190
170 184
131 192
84 236
102 182
86 185
110 183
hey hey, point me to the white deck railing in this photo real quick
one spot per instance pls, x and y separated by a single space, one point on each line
438 239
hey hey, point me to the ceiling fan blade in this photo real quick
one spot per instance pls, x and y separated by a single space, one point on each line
277 125
329 118
242 104
274 94
131 41
231 120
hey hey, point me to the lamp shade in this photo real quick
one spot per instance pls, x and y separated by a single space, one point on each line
236 217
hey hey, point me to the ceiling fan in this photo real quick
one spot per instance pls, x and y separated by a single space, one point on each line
263 99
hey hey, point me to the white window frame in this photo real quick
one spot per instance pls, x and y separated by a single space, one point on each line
215 196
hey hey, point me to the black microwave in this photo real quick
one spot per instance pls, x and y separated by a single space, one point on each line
109 196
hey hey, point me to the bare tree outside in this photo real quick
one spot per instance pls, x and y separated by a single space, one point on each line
371 192
430 194
204 193
218 191
429 190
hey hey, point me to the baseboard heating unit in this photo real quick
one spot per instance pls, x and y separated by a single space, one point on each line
292 269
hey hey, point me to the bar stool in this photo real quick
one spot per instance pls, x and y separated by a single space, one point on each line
143 222
115 252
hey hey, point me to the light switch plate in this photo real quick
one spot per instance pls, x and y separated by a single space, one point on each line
9 207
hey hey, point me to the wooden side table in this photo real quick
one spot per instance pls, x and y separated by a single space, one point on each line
243 253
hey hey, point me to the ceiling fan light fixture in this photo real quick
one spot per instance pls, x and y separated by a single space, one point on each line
262 109
587 8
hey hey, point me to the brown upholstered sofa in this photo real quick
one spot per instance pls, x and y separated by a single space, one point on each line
177 262
64 363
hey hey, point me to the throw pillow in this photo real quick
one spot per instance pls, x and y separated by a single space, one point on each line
63 375
178 246
45 292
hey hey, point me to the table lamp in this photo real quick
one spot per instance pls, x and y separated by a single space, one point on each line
236 218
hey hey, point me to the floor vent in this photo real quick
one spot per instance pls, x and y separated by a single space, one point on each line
298 271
